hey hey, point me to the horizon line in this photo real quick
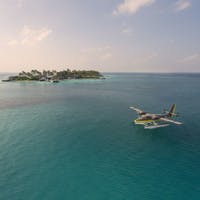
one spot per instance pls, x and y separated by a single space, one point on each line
127 72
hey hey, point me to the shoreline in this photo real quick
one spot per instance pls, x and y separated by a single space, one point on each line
54 76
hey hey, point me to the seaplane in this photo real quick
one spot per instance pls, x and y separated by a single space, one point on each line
152 121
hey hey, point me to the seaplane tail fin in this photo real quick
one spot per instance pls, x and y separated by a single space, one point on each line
172 111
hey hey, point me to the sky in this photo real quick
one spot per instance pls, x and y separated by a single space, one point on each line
104 35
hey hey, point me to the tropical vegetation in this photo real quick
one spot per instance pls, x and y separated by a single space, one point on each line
47 75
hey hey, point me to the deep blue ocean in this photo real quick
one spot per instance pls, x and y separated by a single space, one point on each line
75 140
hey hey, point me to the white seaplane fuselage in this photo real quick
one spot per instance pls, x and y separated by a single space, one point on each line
148 119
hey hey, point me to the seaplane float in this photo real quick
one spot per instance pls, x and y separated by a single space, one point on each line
152 121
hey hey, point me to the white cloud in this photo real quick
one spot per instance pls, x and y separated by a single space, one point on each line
182 5
106 56
152 56
20 3
31 36
131 6
97 49
146 58
191 59
127 31
171 42
13 42
102 53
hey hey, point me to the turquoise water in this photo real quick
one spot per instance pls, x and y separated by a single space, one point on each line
76 139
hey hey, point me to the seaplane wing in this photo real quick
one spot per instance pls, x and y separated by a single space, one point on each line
169 120
138 111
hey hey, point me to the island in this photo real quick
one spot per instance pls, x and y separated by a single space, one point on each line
55 76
